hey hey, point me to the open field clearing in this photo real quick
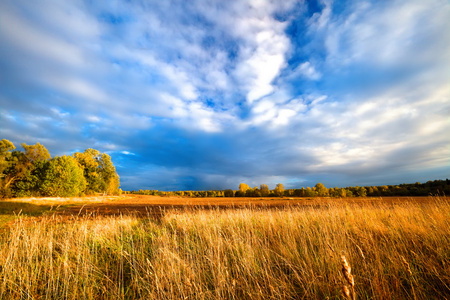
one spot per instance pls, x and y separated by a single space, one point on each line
148 205
236 248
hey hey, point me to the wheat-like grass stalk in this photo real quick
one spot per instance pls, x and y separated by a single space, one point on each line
408 269
406 264
361 252
346 292
347 272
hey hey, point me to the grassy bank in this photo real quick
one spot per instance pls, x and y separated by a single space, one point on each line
395 251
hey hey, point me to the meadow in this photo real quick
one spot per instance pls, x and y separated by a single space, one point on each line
379 248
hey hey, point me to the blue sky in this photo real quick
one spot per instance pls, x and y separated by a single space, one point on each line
192 95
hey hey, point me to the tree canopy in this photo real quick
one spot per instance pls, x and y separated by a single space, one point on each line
99 171
33 172
436 187
279 189
63 177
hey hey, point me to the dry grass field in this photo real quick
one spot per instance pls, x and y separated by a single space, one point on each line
145 205
145 247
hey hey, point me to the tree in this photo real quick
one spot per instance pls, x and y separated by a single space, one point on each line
63 177
264 190
36 152
228 193
309 192
243 187
99 171
299 192
348 192
342 193
5 153
109 179
252 192
239 194
321 190
32 172
360 191
30 166
5 166
21 170
30 182
279 189
89 161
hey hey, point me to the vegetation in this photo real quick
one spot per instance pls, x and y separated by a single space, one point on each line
344 249
436 187
33 172
375 250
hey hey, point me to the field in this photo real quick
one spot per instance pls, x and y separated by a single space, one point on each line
150 247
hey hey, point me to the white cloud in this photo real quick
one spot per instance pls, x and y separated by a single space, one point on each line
399 33
263 45
93 119
374 132
319 21
263 56
177 77
127 152
276 110
59 113
367 88
79 87
283 117
305 70
29 38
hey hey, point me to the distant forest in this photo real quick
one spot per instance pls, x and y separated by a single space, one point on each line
436 187
33 172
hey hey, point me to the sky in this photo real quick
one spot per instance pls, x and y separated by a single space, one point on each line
205 94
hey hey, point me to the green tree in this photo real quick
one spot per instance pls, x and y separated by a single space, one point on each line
5 167
228 193
5 153
264 190
89 161
256 192
109 179
30 165
360 191
375 192
279 189
99 171
348 192
299 192
309 192
321 190
63 177
16 167
21 172
30 172
36 152
29 184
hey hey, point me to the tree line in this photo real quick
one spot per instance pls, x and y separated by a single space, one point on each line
436 187
33 172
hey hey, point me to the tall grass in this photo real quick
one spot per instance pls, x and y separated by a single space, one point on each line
395 252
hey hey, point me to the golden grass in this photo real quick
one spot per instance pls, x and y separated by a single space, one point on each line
395 251
347 272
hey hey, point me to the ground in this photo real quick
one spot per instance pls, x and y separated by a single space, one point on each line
156 205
